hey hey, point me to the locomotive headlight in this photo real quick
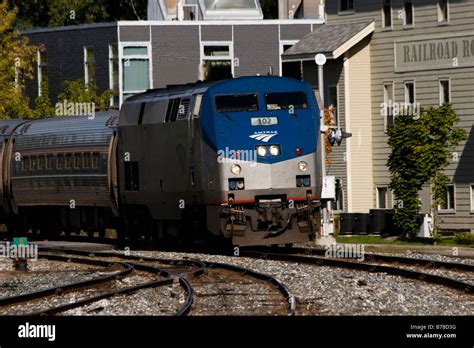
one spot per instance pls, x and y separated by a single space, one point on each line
303 166
240 185
274 150
235 169
261 151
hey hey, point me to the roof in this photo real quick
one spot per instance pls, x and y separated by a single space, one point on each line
64 131
330 39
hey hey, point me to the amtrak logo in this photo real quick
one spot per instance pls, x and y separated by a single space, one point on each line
263 136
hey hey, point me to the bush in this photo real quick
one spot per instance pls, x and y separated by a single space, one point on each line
464 238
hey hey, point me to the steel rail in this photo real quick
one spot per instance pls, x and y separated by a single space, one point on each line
326 261
127 269
282 288
368 256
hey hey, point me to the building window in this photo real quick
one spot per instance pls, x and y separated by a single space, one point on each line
386 13
289 69
472 197
388 105
449 199
346 5
338 203
89 65
408 12
217 61
136 70
382 198
443 11
42 71
444 92
332 103
114 75
410 93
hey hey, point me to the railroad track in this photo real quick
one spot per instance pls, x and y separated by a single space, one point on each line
97 285
201 273
372 263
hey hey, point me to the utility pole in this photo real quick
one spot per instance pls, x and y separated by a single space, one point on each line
328 227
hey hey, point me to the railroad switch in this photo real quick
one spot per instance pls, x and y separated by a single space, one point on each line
20 264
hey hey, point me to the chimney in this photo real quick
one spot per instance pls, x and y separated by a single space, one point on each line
287 9
311 8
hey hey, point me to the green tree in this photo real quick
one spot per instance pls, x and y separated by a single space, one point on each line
420 146
79 92
43 103
50 13
17 60
70 12
269 8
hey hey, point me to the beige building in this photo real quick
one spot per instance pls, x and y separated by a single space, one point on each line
384 54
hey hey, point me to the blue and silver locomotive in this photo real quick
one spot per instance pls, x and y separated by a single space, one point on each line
236 158
240 156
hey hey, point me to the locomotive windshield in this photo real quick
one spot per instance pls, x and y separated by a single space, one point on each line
285 100
237 102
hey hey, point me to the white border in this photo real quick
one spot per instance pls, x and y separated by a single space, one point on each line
384 27
377 201
405 25
38 71
385 126
218 43
282 44
111 74
149 55
471 193
438 7
405 89
442 79
221 22
449 210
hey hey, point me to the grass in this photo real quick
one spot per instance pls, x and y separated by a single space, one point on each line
373 239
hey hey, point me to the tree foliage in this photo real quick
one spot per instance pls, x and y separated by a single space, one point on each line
50 13
269 8
43 103
420 146
17 60
79 92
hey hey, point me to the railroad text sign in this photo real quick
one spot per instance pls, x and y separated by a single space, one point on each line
435 53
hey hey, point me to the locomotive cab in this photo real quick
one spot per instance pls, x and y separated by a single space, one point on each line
264 171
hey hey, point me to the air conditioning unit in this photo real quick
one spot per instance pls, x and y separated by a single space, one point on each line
187 12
